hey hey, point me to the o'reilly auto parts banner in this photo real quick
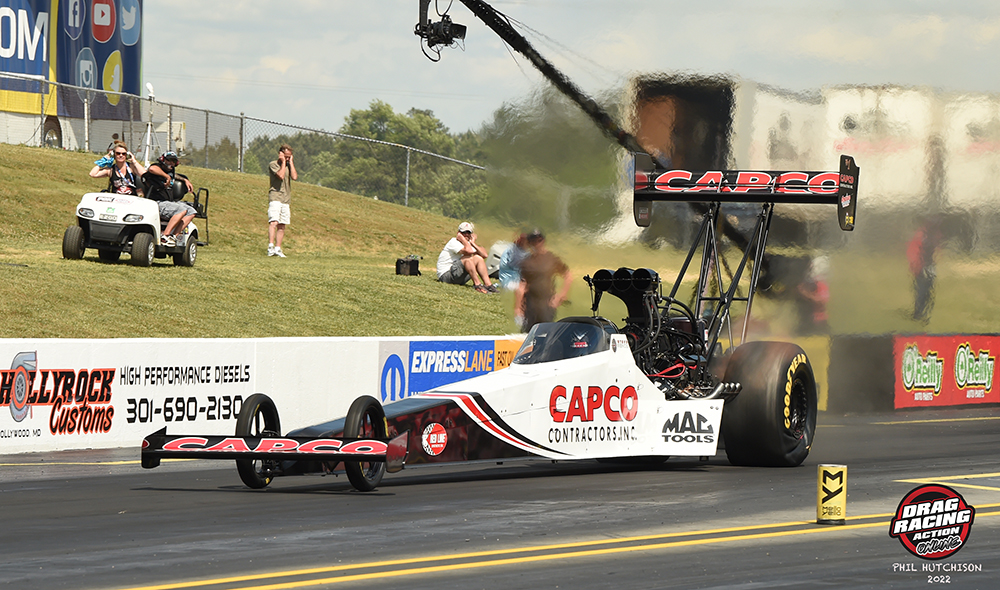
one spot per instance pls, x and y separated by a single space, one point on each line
935 371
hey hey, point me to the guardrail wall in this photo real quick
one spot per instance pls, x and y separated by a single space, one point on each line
63 394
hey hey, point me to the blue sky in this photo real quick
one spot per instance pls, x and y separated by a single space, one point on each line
309 62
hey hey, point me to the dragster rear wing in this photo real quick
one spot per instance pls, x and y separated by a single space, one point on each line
655 183
161 445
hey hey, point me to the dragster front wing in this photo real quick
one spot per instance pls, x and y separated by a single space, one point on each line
161 445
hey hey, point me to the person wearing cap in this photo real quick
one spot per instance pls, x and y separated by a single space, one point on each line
279 214
462 259
538 272
160 178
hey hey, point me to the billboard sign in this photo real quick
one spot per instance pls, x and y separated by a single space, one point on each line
90 43
937 371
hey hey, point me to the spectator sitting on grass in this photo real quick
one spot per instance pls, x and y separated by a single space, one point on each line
462 259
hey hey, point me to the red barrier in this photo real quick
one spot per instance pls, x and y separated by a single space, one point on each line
935 371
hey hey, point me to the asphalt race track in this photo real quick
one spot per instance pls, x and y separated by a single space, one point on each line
95 519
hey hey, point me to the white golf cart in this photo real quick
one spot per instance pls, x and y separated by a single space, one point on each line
112 224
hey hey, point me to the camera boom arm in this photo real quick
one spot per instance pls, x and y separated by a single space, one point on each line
437 34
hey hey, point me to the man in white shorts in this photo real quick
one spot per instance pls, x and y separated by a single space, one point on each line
462 259
282 172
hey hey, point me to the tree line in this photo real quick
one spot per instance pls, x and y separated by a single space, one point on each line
546 164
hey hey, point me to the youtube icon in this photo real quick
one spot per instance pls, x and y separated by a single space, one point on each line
103 21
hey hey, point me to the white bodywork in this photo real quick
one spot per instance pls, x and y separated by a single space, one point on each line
599 405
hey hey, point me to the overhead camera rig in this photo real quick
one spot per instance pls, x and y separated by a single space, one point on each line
444 32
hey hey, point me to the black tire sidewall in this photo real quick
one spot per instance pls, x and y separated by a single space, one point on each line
360 408
257 403
753 423
189 255
73 243
142 243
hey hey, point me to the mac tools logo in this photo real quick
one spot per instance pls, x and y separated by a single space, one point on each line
689 427
932 522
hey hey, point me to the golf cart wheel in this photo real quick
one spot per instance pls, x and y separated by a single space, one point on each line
109 255
258 417
190 253
772 422
73 243
143 250
365 419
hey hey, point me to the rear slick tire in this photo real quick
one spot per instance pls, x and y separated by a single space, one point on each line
258 418
365 419
772 422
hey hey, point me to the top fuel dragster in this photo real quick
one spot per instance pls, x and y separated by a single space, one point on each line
672 380
661 384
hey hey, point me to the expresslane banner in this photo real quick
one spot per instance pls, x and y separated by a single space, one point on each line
408 368
938 371
78 394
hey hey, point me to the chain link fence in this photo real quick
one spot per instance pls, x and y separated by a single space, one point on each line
42 113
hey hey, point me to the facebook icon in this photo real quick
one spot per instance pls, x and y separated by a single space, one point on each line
74 16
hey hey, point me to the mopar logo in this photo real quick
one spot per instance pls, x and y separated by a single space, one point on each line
684 428
393 382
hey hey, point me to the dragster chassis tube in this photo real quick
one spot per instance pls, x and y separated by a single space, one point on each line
161 445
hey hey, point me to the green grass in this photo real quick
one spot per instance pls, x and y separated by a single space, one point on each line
339 278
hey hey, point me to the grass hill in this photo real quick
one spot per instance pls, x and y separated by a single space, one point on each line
338 280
